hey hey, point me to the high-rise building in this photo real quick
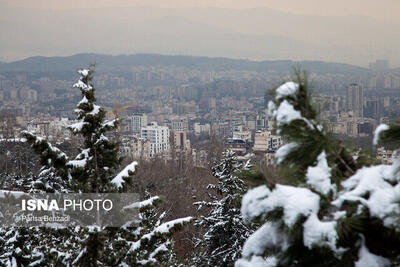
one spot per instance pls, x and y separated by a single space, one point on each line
158 137
137 122
354 99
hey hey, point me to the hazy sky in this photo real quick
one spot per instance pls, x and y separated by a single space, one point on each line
382 9
325 30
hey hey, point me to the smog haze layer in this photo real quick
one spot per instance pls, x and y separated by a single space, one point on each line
354 32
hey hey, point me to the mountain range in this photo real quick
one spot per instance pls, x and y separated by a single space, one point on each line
124 63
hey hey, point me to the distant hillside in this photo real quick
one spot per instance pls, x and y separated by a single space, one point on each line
125 62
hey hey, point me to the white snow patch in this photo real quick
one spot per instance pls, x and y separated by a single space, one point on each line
366 258
84 72
267 236
293 200
250 201
378 130
384 204
286 113
319 176
110 123
365 180
167 227
159 249
257 261
383 198
118 180
12 263
287 89
77 163
83 101
141 204
101 139
271 109
95 110
81 85
339 215
81 160
22 140
16 194
162 229
283 151
319 234
77 127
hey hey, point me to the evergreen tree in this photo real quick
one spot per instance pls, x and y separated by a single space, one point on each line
225 230
147 243
98 159
338 210
94 170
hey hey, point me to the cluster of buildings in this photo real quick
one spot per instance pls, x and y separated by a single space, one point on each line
356 114
176 110
248 137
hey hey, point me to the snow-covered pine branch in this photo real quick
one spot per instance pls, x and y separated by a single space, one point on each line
129 170
54 174
337 211
49 154
148 241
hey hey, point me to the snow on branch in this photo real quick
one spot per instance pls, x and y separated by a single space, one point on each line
43 146
14 140
283 151
294 201
83 86
378 131
102 138
319 233
266 236
84 100
383 197
80 160
168 227
95 110
286 114
287 89
366 258
77 127
7 193
142 204
164 229
84 72
125 173
319 177
109 125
